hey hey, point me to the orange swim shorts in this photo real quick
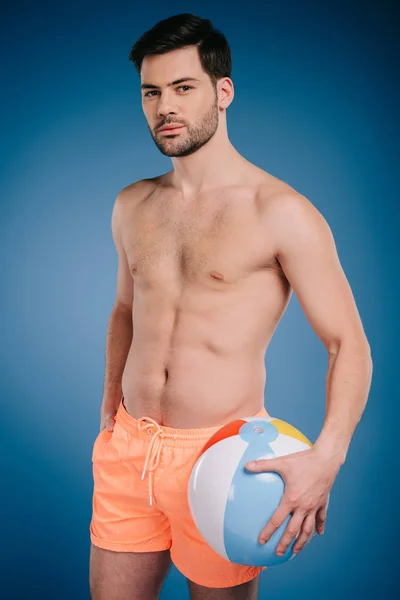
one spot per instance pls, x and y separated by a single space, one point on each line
141 472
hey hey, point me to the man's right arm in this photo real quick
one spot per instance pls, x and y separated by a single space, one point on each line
120 327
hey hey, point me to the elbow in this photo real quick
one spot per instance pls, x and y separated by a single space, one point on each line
356 344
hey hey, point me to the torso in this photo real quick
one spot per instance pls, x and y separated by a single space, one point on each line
208 295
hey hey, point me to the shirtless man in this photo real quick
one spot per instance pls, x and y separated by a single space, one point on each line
209 254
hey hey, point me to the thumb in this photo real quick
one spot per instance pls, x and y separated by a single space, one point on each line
269 464
110 422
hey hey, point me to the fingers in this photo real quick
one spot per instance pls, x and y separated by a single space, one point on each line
308 531
292 529
302 525
275 521
269 464
321 518
110 421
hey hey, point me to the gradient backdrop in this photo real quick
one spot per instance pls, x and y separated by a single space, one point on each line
315 105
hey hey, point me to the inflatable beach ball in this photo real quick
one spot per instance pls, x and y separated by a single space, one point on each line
230 505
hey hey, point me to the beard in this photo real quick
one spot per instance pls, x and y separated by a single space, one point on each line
196 135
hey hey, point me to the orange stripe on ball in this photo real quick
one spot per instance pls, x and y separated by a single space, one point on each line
226 431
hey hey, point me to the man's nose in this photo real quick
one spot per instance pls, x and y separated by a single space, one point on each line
166 106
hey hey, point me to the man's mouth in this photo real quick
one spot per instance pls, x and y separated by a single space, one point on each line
171 128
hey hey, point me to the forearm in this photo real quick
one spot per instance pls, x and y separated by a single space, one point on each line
348 383
118 343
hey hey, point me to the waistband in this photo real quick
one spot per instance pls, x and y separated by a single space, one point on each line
146 428
143 427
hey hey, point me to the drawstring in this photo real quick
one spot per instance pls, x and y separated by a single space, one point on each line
154 452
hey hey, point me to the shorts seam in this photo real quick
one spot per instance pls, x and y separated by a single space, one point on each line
252 574
126 546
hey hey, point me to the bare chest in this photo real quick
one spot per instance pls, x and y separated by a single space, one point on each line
218 242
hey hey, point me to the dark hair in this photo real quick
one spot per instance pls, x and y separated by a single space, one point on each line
183 30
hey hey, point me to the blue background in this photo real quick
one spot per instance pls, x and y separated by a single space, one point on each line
315 105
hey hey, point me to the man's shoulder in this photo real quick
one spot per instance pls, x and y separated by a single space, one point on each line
137 191
276 197
283 209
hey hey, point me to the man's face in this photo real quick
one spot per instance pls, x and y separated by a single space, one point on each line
175 89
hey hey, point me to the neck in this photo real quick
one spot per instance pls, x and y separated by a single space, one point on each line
215 164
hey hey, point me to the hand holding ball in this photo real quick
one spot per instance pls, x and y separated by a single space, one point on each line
230 505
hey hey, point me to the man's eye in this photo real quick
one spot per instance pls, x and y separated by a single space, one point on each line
181 87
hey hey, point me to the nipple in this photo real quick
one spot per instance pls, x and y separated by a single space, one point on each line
217 275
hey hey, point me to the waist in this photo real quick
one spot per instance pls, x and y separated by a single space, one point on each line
173 436
200 395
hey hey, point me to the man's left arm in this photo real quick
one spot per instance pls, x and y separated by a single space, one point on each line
307 254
